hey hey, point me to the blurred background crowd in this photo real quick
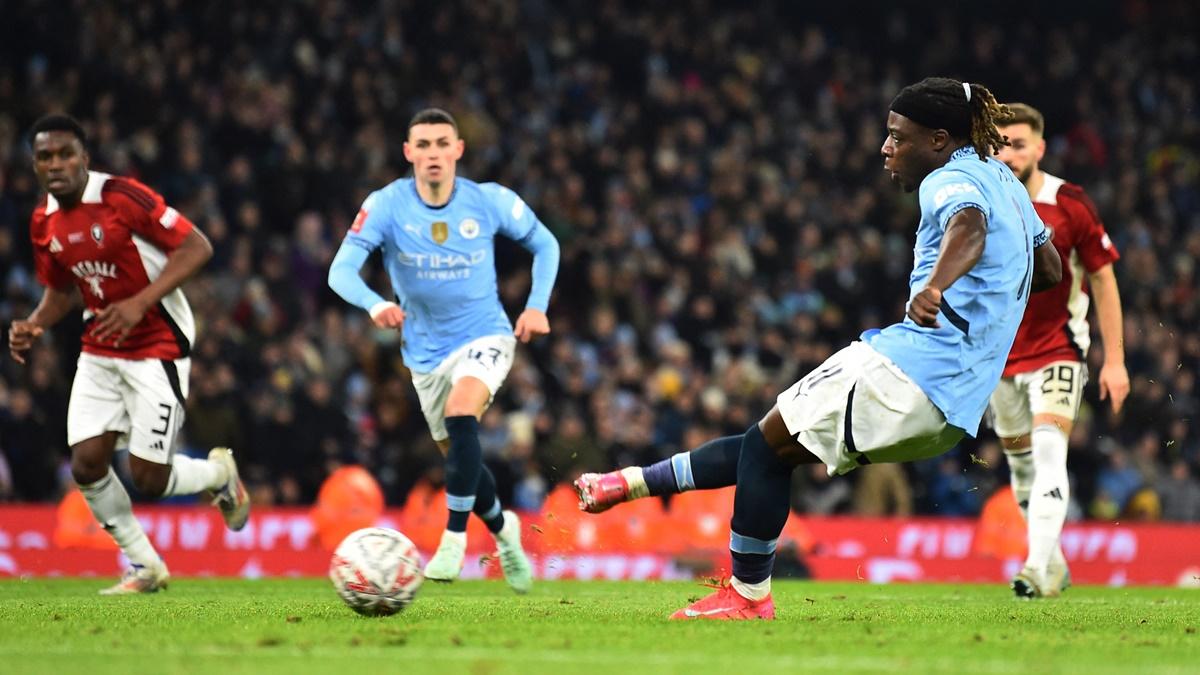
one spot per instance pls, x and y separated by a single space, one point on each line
712 173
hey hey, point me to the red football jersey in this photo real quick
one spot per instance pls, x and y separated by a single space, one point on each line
111 245
1055 326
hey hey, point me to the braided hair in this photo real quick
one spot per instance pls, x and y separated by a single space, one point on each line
986 111
964 110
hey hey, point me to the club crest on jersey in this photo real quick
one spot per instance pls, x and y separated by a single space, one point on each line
440 231
97 234
469 228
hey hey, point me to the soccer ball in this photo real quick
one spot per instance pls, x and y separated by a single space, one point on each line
376 571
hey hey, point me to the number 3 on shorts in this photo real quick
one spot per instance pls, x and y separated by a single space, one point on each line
164 419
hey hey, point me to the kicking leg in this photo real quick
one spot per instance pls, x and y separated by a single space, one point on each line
710 466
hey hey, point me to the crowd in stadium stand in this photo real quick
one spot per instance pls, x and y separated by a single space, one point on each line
713 176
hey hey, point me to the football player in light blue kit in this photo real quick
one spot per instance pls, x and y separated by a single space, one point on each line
907 392
436 231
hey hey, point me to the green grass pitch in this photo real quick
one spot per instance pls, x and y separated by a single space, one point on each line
298 626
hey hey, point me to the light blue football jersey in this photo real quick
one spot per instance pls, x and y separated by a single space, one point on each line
441 261
959 365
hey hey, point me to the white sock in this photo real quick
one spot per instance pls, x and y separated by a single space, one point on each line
1020 474
637 483
111 507
190 475
753 592
1050 495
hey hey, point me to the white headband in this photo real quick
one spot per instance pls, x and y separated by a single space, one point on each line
967 88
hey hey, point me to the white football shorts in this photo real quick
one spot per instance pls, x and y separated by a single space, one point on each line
142 399
487 358
1055 389
859 408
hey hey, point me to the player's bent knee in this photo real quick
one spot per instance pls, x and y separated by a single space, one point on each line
91 458
1060 423
87 470
786 447
149 478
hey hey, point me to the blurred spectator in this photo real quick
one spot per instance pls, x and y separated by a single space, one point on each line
883 490
820 494
1180 493
1117 482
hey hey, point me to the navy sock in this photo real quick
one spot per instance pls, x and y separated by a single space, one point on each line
660 478
487 504
464 462
760 508
712 465
715 464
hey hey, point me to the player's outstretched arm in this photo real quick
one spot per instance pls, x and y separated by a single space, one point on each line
120 317
345 280
1114 378
54 305
962 247
1047 267
544 247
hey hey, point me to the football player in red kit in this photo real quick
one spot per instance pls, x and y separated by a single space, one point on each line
117 244
1035 404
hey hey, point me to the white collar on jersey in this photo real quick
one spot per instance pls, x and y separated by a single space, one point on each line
1049 192
92 192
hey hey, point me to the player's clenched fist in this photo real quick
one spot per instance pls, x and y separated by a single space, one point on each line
531 324
21 335
388 315
923 308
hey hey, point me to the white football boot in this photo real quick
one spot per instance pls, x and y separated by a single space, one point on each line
447 563
140 579
1058 575
232 499
517 570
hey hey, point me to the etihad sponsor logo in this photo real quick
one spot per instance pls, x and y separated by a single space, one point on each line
94 272
439 261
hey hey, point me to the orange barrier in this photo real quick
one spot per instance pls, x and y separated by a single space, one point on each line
75 527
1001 532
350 499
